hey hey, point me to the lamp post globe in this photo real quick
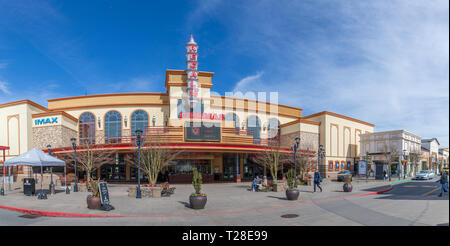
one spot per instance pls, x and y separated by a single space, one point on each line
74 146
138 143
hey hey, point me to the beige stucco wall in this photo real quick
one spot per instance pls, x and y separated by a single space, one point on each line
16 128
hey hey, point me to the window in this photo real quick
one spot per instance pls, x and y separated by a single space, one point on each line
253 127
330 166
113 127
139 121
337 166
273 128
86 128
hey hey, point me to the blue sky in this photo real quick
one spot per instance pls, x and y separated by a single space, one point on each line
385 62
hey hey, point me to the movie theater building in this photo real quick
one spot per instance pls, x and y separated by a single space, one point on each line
232 130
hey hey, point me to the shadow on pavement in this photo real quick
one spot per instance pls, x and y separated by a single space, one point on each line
186 204
280 198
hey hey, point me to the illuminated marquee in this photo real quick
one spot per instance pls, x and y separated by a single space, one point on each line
207 116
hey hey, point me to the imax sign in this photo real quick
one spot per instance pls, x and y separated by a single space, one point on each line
45 121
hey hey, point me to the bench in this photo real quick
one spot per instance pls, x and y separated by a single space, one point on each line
166 189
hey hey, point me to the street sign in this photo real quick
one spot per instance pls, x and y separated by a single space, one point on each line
362 167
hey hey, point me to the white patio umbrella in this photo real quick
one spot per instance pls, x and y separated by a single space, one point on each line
36 158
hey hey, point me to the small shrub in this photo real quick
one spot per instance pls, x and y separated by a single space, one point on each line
197 181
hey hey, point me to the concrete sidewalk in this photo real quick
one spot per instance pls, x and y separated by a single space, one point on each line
222 199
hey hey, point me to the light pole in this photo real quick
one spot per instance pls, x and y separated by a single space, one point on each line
320 156
74 146
138 143
52 185
295 148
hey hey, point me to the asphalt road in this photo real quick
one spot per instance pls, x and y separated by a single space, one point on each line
409 203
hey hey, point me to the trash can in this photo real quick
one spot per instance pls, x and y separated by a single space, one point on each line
29 186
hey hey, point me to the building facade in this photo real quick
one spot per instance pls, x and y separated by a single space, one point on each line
392 147
218 134
432 147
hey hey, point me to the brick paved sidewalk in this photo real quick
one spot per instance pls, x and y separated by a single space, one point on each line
222 198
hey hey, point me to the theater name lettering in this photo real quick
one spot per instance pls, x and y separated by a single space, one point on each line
207 116
45 121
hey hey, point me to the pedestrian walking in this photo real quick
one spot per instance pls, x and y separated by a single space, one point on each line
317 180
384 175
444 183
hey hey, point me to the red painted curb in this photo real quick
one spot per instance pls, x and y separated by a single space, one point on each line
73 215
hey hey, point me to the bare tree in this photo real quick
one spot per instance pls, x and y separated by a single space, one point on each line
271 158
89 158
154 157
414 158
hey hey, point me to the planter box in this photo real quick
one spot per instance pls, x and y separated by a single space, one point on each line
279 186
146 192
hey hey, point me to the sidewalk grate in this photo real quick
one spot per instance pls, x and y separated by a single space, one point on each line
288 216
30 216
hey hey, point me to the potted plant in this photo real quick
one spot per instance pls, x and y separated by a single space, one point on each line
197 200
292 193
348 187
93 200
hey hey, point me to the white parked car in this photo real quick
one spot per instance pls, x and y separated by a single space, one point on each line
425 174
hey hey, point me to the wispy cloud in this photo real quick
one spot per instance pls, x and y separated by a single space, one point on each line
248 82
385 62
4 87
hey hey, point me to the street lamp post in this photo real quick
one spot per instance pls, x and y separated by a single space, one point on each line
74 145
320 156
295 148
138 143
52 185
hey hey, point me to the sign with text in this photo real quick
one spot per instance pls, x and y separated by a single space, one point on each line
104 194
199 131
362 167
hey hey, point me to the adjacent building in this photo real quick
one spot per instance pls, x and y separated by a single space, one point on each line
432 147
399 148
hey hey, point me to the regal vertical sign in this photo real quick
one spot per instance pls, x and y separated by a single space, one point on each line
192 72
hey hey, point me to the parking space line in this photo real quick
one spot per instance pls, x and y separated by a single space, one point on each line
431 191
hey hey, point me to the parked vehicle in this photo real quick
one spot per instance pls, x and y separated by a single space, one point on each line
425 174
344 174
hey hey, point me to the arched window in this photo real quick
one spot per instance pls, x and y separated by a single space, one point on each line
139 121
254 127
235 118
113 127
273 129
86 128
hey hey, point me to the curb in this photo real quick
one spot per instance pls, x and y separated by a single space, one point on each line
75 215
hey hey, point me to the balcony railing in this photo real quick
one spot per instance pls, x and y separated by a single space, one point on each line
175 135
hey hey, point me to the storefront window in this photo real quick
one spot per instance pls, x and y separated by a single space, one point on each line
87 128
230 166
252 169
113 127
114 171
139 121
185 166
